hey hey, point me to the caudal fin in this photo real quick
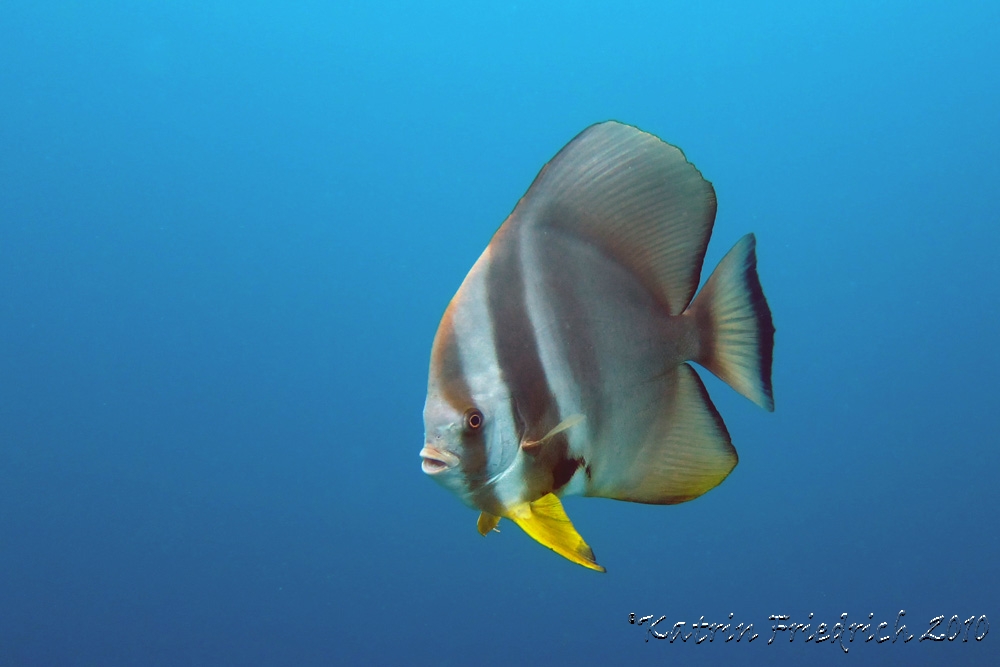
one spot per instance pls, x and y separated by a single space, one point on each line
734 325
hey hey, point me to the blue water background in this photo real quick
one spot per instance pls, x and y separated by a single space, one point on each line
228 230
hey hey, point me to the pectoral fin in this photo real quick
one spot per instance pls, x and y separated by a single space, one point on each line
546 522
487 522
569 422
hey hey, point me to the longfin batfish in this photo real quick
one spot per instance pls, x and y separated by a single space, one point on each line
561 364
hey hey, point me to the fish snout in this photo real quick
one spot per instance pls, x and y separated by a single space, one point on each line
437 460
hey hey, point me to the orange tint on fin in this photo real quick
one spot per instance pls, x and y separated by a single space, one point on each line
487 522
687 450
546 522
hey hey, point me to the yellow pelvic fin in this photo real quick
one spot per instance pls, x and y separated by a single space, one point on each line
567 423
487 522
546 522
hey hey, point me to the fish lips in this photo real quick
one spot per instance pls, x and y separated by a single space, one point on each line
436 461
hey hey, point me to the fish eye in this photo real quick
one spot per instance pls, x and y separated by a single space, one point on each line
473 419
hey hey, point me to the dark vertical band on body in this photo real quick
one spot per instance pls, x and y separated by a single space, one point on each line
516 341
533 406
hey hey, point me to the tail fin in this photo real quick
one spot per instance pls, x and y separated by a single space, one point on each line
734 325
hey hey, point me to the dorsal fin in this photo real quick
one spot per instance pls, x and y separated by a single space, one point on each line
635 197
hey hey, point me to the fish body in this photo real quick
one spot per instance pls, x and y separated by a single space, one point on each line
561 365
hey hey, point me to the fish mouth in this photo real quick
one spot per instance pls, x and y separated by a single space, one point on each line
437 460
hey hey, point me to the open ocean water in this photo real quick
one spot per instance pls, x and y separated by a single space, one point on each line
228 231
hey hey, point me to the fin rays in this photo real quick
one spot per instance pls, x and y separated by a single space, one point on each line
546 522
686 451
735 327
636 197
584 302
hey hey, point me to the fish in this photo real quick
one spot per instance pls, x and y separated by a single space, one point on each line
562 365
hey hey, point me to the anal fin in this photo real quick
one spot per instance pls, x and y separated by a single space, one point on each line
546 522
685 451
